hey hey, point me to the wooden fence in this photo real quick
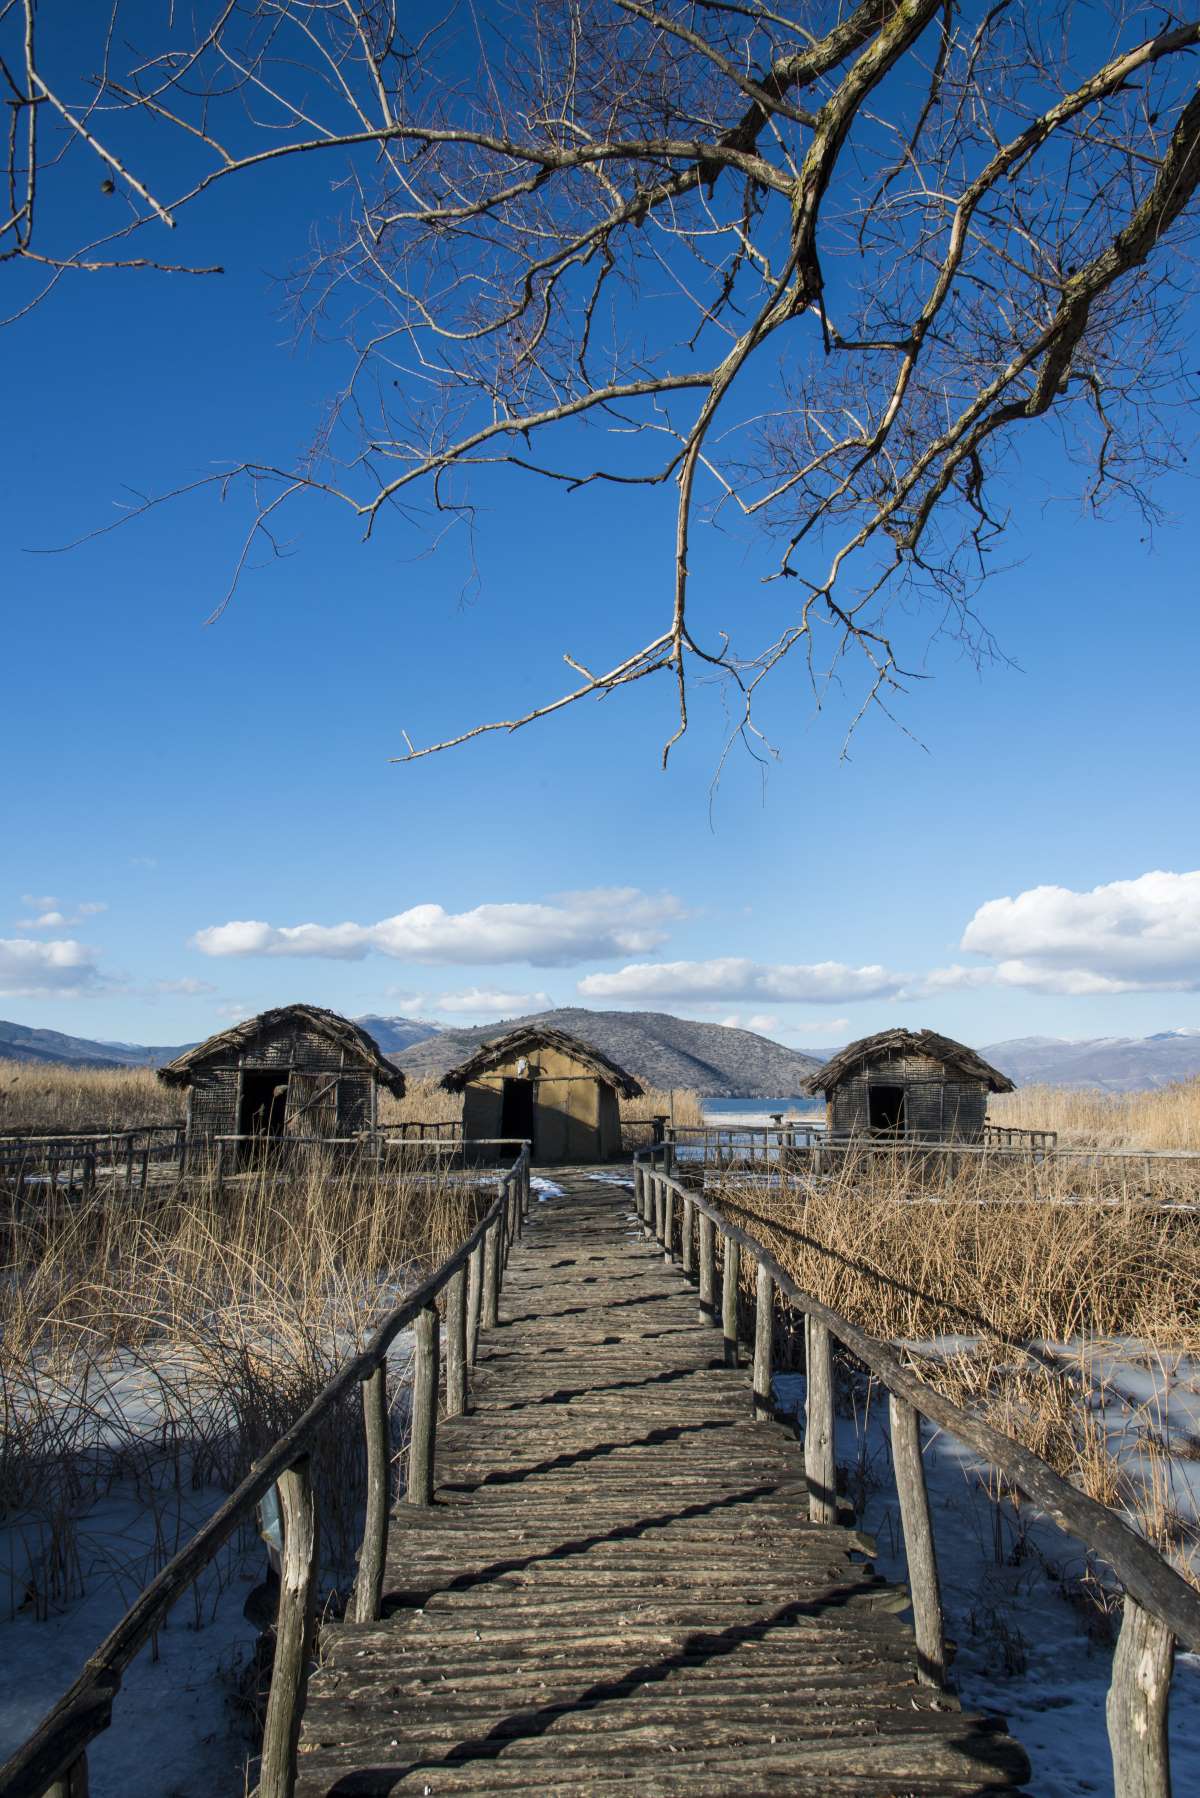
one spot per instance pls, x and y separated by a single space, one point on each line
53 1761
1159 1605
120 1160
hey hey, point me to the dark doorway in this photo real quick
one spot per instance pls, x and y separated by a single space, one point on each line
887 1109
516 1110
264 1103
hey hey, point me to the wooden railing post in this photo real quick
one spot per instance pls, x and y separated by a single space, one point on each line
918 1541
368 1587
668 1235
707 1270
660 1206
729 1300
475 1284
649 1189
491 1277
1137 1705
456 1344
819 1465
687 1228
293 1632
764 1324
423 1447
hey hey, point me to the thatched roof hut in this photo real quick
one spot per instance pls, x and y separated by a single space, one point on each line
297 1070
548 1088
911 1083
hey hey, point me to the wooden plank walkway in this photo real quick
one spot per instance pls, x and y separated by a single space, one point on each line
618 1589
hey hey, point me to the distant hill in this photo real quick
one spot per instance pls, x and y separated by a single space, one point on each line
660 1050
18 1042
396 1034
1117 1064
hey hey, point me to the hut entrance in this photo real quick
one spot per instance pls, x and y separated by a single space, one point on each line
516 1110
887 1109
264 1103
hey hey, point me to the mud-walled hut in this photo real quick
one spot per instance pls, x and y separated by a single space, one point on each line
548 1088
297 1071
908 1083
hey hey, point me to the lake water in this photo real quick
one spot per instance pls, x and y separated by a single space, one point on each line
745 1109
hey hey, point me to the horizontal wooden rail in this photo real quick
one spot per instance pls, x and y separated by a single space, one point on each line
1160 1606
54 1756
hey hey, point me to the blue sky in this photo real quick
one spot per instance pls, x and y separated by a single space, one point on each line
188 778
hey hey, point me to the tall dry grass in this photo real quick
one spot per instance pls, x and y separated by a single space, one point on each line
972 1253
172 1336
979 1284
37 1097
1168 1118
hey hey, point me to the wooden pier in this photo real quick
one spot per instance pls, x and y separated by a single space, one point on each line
618 1587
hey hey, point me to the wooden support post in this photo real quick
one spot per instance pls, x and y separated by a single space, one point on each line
668 1235
294 1630
368 1587
660 1206
688 1227
764 1325
819 1465
491 1277
651 1187
1137 1705
729 1300
423 1447
707 1270
928 1627
456 1344
475 1279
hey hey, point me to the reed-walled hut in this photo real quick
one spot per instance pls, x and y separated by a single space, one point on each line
297 1071
915 1084
547 1088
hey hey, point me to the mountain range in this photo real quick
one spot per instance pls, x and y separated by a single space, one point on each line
665 1051
662 1051
1115 1064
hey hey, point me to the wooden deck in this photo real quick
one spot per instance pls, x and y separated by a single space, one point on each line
618 1589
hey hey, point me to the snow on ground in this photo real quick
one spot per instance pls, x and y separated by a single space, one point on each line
175 1733
1023 1648
545 1189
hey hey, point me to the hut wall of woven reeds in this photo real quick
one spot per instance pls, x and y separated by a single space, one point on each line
914 1084
295 1071
548 1088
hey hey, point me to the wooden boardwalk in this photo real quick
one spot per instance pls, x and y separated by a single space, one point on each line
618 1589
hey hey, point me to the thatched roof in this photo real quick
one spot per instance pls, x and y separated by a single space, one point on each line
527 1040
228 1046
956 1056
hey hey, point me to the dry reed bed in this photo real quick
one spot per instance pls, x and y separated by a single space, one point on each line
1011 1277
174 1336
1168 1118
36 1097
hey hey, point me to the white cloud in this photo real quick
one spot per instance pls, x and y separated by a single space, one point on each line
762 1021
33 970
1129 936
491 1004
233 1010
49 916
734 977
187 988
604 921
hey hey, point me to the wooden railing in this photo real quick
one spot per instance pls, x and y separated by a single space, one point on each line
53 1760
1009 1136
121 1159
1159 1605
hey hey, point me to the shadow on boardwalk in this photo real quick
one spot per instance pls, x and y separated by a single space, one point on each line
618 1588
